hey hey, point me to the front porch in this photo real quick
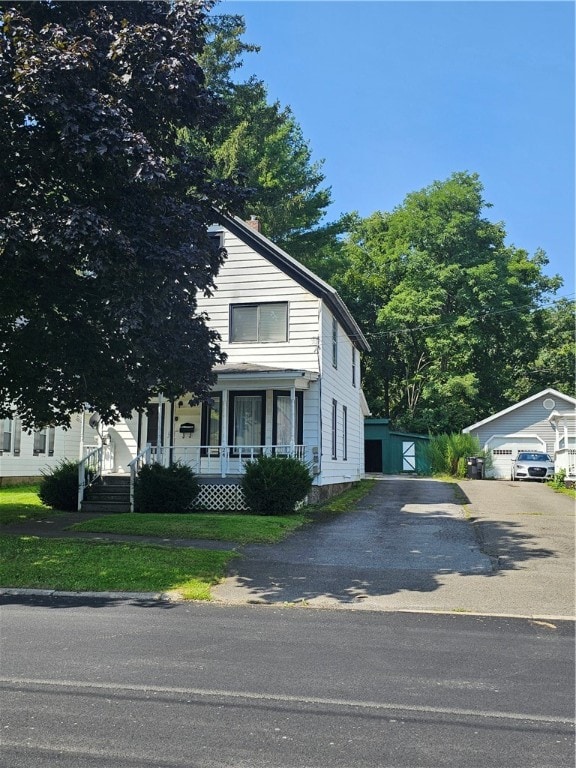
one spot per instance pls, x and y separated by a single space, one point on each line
218 469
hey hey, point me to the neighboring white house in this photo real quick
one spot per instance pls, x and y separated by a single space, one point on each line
543 422
291 383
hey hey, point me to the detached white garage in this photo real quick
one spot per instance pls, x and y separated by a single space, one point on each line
531 424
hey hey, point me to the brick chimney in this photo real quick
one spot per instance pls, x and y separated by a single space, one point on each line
253 223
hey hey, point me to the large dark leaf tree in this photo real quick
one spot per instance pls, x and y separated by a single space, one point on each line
103 209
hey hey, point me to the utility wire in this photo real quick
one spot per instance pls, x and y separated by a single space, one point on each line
481 316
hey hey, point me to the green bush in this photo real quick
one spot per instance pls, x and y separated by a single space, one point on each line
165 489
273 485
447 454
59 486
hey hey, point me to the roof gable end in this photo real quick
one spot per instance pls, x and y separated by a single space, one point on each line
298 272
549 391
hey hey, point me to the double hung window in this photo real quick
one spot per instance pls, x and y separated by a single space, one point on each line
344 432
334 429
259 323
44 441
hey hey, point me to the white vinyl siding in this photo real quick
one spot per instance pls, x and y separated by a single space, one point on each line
53 445
246 278
337 385
522 427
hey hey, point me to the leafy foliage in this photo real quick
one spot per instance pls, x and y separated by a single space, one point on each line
165 489
447 454
261 145
273 485
59 487
103 209
447 306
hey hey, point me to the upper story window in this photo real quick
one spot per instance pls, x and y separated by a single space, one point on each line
334 342
259 322
353 366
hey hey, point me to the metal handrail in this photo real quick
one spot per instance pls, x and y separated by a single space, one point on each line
89 470
134 466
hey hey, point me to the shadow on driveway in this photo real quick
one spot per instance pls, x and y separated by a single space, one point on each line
406 535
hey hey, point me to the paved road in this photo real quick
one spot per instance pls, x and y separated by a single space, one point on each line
113 684
418 544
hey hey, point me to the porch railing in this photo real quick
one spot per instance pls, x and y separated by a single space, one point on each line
221 460
208 460
565 459
144 457
91 467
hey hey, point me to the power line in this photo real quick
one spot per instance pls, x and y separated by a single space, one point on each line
478 317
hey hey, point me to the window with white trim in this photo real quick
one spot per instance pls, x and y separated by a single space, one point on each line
5 435
344 432
334 429
44 441
334 342
353 366
259 323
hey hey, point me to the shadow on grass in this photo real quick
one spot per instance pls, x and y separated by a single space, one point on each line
84 601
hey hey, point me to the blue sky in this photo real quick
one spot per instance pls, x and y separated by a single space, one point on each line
395 95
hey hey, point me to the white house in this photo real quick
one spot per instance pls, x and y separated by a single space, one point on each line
543 422
291 384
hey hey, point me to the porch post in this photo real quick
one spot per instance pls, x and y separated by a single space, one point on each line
293 418
159 440
224 434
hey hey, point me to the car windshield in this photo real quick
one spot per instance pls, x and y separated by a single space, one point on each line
533 457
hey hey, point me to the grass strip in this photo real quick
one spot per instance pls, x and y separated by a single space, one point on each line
21 502
243 529
344 502
81 566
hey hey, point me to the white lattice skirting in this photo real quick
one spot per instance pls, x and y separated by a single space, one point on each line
220 497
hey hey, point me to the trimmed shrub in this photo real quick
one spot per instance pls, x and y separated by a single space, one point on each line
165 489
59 486
273 485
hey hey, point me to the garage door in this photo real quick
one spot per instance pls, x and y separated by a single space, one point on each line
504 449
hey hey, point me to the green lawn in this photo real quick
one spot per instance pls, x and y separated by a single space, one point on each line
243 529
78 566
81 565
21 502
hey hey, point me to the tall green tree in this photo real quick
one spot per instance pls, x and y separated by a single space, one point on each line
262 145
552 341
103 210
446 305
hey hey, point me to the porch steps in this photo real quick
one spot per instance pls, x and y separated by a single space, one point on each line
108 495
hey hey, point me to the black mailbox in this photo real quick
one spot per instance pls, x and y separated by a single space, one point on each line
186 429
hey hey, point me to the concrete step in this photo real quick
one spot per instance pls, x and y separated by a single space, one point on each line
110 507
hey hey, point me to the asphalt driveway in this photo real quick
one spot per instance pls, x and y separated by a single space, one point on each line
420 544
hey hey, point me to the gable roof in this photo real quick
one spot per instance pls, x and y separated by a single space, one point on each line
549 391
298 272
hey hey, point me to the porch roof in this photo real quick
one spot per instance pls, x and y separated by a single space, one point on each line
227 371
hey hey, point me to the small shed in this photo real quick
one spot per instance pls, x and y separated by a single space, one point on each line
543 422
393 452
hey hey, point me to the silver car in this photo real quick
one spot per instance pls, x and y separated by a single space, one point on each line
530 465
